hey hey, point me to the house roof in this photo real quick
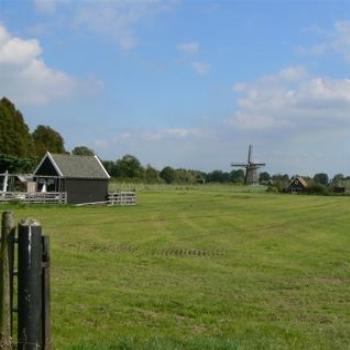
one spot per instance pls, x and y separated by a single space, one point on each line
301 180
74 166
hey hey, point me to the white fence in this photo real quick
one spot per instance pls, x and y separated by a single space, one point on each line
35 197
122 198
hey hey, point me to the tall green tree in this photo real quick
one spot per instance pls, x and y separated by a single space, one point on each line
47 139
151 174
237 176
321 179
264 178
129 167
168 174
83 151
15 138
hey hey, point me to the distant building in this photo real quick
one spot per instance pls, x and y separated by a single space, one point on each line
83 178
297 185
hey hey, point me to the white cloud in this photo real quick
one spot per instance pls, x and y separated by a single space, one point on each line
337 41
201 68
293 99
25 77
190 48
118 19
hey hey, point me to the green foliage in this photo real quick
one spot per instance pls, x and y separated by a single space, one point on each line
321 179
237 176
14 164
280 181
47 139
218 176
317 188
128 167
168 174
15 138
83 151
264 178
151 175
274 189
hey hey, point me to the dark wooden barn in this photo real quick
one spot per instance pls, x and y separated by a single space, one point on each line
83 178
297 185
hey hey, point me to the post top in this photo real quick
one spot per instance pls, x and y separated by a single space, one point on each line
29 222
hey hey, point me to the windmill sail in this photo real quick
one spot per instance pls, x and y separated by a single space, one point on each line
251 175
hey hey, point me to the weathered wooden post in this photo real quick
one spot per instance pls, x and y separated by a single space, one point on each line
30 254
7 234
46 312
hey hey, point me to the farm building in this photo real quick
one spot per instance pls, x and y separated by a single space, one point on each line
83 178
297 185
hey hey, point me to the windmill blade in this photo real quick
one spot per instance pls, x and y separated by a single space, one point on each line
259 164
239 164
250 153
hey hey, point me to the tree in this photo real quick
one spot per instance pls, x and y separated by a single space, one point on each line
280 181
15 138
338 180
264 178
237 176
82 151
168 174
218 176
151 174
321 179
109 166
129 167
47 139
14 164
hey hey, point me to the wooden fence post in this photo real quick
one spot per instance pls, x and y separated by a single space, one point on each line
7 233
46 312
30 256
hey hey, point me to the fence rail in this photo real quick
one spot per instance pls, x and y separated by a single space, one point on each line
122 198
34 197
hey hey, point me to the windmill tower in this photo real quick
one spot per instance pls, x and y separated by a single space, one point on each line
251 172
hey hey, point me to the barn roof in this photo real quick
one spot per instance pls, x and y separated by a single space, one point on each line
301 180
74 166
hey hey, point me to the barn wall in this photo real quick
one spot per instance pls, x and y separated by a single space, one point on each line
86 190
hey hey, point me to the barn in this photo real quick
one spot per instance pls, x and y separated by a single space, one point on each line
297 185
83 178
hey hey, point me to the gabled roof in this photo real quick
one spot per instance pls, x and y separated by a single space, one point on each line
73 166
301 180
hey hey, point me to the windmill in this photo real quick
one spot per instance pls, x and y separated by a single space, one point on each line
251 173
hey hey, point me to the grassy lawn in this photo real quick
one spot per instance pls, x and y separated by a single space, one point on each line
211 267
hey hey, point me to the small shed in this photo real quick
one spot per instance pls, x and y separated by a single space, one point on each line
83 178
297 185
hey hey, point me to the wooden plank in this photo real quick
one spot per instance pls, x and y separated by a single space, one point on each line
7 229
46 312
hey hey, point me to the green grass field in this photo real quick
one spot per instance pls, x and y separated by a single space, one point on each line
211 267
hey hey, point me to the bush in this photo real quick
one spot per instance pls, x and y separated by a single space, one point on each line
273 189
318 189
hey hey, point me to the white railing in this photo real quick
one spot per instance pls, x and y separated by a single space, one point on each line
122 198
34 197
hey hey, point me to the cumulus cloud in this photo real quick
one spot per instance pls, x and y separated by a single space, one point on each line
292 98
190 48
25 77
336 41
201 68
118 19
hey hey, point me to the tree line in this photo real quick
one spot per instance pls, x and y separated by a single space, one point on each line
21 149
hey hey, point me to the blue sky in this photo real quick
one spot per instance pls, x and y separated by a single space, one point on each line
185 83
